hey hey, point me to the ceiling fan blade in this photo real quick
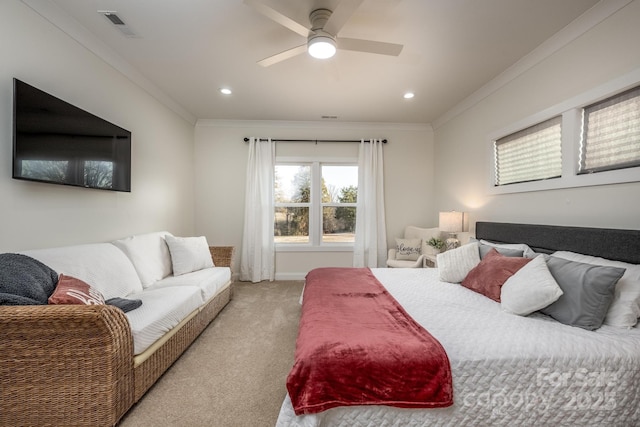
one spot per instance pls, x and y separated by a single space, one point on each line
341 15
369 46
278 17
278 57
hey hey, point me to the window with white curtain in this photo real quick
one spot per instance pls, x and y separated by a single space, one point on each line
610 136
531 154
315 203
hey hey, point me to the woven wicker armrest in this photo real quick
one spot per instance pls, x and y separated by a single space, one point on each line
65 365
222 255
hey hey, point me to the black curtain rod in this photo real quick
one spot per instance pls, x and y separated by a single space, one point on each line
384 141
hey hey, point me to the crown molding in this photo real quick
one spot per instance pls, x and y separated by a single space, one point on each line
281 124
59 18
589 19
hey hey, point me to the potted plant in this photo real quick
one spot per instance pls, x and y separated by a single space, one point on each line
435 244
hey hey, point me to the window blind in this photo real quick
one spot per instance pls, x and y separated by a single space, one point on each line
611 133
532 154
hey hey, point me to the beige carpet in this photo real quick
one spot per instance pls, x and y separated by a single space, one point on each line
234 374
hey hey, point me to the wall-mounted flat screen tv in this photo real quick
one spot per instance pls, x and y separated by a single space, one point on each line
56 142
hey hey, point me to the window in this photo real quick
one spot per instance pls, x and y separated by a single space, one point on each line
339 203
611 133
315 203
531 154
590 139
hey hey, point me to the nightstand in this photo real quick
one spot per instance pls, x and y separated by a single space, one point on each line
429 261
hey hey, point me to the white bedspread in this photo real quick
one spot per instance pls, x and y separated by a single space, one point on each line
507 370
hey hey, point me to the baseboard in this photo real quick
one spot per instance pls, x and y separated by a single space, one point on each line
291 276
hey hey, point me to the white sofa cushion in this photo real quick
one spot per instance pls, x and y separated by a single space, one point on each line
189 254
210 281
161 310
149 254
102 265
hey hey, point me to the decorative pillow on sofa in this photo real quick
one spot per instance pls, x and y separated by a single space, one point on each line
625 307
490 274
25 280
103 265
454 265
149 255
408 249
587 292
530 289
189 254
71 290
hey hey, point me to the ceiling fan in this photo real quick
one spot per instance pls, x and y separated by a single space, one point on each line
322 36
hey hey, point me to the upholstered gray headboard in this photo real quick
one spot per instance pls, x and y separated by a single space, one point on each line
621 245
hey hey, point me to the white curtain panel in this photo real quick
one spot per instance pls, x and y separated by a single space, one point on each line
370 246
257 258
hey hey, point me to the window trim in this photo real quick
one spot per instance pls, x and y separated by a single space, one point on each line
571 112
315 223
501 162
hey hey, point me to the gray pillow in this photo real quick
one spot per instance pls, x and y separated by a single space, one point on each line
484 249
588 291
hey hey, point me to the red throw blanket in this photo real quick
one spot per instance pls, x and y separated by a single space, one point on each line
357 346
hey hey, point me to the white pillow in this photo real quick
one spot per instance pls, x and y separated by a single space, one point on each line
102 265
189 254
530 289
454 265
408 249
527 252
149 255
624 311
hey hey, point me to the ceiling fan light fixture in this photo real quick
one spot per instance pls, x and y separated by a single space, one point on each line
321 47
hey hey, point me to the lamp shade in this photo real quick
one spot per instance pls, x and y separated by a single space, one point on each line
451 222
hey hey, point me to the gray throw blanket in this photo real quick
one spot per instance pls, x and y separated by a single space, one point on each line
25 280
124 304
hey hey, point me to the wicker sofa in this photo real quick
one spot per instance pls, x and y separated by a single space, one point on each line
79 365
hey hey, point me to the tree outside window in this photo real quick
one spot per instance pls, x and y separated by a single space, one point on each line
300 215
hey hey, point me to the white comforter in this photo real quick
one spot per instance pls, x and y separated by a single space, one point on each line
507 370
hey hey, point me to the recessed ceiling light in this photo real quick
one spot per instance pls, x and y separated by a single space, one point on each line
225 91
408 95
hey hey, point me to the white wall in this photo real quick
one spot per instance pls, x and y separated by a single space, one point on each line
220 168
605 52
35 215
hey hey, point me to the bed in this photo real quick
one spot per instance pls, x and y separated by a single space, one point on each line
509 369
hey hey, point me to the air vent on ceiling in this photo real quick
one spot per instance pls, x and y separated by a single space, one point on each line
329 117
112 16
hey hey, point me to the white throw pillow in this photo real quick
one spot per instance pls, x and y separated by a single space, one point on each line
624 311
189 254
101 265
530 289
149 255
454 265
408 249
527 251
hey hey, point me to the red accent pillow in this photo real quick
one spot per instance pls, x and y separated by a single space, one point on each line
70 290
488 277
